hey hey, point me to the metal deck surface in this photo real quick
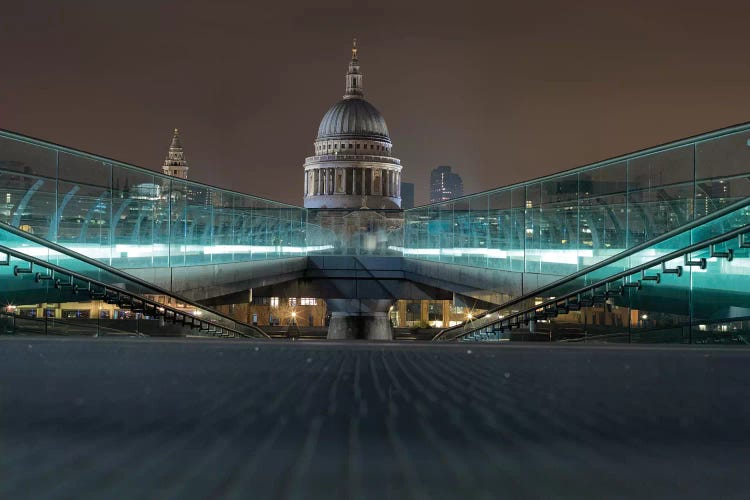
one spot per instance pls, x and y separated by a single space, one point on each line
99 418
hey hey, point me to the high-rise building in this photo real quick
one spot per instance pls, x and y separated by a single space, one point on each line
407 195
175 164
445 184
353 167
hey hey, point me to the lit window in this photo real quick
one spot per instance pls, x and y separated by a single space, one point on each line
7 198
292 301
308 301
274 302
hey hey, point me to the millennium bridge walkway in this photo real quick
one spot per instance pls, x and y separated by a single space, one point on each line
647 247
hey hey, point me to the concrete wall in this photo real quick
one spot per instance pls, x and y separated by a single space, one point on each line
343 277
215 280
490 285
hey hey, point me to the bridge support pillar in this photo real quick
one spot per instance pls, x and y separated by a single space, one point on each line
359 319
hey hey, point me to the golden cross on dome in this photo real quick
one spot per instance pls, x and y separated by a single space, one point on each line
354 49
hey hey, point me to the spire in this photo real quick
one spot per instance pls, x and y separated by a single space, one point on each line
176 140
354 77
175 164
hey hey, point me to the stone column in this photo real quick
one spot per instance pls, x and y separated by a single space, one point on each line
424 311
401 313
446 313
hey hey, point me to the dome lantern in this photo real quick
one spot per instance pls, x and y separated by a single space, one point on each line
353 76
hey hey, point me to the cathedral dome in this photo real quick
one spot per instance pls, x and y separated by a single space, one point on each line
353 118
352 167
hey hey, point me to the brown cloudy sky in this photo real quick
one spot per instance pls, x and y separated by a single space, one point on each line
503 91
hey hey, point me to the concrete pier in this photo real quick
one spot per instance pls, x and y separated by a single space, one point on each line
359 319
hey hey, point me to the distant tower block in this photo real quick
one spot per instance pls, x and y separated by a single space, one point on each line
176 164
353 167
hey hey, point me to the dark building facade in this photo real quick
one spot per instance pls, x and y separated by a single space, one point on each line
407 195
445 184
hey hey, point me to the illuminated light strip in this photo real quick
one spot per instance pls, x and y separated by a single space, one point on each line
135 251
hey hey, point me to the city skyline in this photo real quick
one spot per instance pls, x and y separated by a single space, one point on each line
469 88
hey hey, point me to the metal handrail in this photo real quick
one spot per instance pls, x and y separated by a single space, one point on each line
104 288
77 323
564 299
93 262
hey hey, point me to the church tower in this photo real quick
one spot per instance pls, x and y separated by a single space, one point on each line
175 164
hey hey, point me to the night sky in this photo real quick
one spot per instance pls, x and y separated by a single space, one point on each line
502 91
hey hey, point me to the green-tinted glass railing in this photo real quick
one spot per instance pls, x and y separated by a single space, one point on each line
566 222
131 217
699 289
